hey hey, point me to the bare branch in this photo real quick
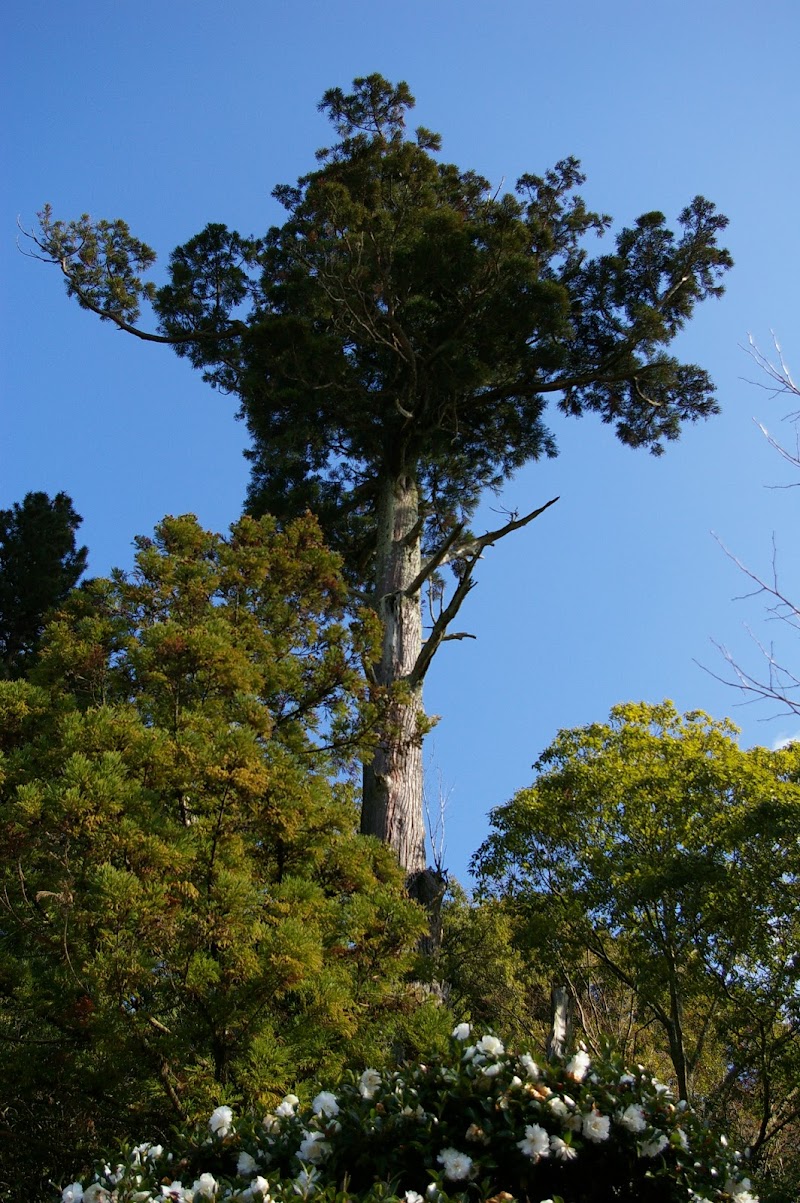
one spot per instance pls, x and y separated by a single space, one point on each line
437 559
777 683
473 548
779 374
470 553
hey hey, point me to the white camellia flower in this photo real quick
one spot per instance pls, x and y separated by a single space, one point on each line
460 1032
96 1193
313 1147
491 1071
72 1193
456 1165
325 1104
205 1186
287 1106
529 1065
412 1196
561 1150
259 1186
595 1126
368 1083
652 1148
246 1165
578 1065
536 1142
173 1191
490 1046
736 1189
220 1122
632 1118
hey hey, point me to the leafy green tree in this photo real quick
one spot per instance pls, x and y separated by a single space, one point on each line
39 564
658 848
189 914
394 345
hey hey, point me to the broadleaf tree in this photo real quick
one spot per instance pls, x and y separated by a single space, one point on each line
658 848
393 346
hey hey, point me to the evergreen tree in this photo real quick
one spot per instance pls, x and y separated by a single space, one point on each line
394 345
189 914
39 564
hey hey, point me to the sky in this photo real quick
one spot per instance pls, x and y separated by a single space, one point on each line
177 113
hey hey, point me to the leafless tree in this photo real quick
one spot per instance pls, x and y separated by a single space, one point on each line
775 681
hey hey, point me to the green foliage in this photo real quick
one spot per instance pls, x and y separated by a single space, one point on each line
409 318
475 1124
654 866
101 261
39 564
188 912
491 980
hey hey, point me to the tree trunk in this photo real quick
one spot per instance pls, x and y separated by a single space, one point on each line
392 806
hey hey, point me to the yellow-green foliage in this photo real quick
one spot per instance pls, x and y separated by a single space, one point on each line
189 913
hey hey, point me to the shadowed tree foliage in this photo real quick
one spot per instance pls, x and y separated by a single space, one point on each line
39 564
394 345
188 913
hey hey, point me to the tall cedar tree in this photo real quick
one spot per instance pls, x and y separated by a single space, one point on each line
393 346
188 912
39 564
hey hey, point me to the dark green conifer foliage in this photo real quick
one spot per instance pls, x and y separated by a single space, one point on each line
39 564
188 912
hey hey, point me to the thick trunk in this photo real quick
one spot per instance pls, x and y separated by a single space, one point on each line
392 806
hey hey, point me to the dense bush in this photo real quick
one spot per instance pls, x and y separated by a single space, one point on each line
477 1124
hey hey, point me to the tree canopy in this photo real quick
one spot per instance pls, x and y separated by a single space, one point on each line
188 912
39 564
653 853
408 317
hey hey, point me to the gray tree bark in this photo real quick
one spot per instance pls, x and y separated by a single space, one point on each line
392 805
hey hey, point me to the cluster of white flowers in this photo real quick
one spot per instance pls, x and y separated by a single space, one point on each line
369 1083
549 1115
221 1121
457 1166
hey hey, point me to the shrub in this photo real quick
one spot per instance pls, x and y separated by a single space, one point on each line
476 1124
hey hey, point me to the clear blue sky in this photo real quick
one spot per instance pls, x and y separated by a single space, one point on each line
176 113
